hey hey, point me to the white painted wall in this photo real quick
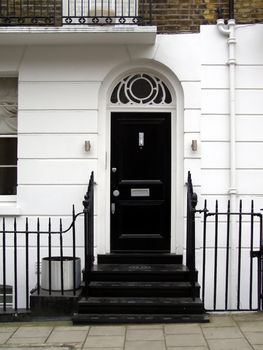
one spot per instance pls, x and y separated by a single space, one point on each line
215 136
60 106
249 107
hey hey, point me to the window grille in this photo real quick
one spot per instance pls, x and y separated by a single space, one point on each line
141 88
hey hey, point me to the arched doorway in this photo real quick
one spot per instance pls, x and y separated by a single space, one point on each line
140 164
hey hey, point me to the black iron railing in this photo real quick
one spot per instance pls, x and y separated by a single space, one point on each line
19 261
88 204
30 13
231 242
190 231
25 268
75 12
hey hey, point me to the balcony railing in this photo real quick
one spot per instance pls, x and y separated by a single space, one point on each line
75 12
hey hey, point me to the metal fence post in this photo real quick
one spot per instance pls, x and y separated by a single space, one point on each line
88 204
190 240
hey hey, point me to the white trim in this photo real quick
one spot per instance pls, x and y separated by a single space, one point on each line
8 198
10 210
8 206
177 175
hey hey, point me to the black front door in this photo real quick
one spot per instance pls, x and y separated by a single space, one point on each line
140 181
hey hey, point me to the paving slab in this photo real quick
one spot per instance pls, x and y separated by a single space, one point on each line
182 329
7 329
255 338
144 334
145 345
188 348
44 347
32 332
121 348
219 321
251 326
72 328
27 340
115 341
4 337
229 344
222 333
107 330
68 337
145 326
173 340
248 316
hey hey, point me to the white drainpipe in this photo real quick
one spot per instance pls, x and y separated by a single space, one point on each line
229 30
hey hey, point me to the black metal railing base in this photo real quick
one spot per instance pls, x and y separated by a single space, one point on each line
21 315
56 304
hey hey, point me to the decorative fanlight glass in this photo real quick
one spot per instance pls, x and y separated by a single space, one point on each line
141 88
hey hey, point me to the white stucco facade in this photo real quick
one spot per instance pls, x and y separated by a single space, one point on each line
63 101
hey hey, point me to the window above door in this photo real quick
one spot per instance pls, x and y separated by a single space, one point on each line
143 89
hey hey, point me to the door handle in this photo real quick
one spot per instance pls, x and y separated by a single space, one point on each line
113 208
116 193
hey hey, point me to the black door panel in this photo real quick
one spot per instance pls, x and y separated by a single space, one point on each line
140 181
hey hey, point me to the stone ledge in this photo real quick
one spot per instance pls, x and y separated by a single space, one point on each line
78 35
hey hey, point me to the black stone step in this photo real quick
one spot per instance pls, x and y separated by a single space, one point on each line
142 305
143 289
139 318
140 272
138 258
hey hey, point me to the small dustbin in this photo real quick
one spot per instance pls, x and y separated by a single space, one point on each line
68 265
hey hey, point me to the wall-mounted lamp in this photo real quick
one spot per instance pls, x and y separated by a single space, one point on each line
194 145
87 146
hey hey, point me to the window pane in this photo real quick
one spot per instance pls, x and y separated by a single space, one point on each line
8 180
8 90
8 106
8 151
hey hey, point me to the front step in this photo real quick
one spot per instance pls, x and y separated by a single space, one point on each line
138 272
152 290
143 289
142 318
138 258
140 305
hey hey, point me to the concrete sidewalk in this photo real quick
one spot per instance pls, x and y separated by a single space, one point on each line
224 332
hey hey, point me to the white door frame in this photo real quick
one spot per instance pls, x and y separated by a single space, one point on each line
177 150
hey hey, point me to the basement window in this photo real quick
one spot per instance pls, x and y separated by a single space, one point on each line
8 136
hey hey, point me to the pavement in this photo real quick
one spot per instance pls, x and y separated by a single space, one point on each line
224 332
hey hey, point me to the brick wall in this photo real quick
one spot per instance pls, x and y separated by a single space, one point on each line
172 16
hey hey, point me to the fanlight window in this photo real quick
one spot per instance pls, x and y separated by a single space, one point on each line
141 88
